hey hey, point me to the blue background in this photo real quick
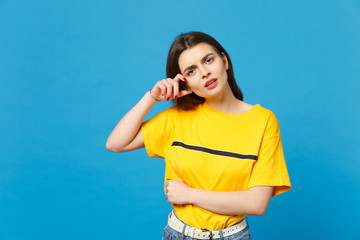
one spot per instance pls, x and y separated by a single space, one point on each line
69 70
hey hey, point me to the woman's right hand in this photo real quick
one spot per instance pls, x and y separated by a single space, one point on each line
168 89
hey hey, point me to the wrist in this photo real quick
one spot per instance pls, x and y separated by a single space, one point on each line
191 196
153 96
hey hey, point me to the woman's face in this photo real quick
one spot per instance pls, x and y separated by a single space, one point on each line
205 70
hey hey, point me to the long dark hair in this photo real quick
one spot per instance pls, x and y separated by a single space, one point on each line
186 41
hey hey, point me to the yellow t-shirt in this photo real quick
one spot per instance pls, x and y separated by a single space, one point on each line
212 150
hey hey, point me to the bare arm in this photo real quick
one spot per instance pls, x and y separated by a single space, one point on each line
127 135
250 202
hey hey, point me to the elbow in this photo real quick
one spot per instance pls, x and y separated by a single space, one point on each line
112 148
260 198
259 210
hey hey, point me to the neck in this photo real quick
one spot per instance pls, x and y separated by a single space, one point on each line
226 102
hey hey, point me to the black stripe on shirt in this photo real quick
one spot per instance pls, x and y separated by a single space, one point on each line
213 151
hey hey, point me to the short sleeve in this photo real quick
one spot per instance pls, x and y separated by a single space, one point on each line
157 133
270 168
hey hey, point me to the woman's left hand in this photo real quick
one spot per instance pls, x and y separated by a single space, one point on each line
177 192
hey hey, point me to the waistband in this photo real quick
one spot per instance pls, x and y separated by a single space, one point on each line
175 223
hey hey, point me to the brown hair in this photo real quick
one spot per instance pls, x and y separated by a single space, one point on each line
186 41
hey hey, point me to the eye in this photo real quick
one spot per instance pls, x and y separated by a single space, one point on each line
209 60
190 72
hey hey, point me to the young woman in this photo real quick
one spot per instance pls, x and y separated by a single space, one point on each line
224 157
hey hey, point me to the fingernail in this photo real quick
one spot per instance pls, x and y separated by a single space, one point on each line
168 99
185 80
176 98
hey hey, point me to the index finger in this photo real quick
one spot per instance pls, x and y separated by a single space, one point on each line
179 77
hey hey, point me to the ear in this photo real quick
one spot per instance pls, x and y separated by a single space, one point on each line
226 62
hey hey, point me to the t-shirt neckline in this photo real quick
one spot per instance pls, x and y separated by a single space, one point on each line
216 113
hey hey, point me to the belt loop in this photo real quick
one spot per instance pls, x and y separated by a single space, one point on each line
183 233
247 222
221 234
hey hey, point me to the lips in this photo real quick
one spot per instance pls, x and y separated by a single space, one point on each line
208 82
211 83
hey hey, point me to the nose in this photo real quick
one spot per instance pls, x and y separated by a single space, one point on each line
205 73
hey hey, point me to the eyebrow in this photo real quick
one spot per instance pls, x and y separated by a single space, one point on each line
203 59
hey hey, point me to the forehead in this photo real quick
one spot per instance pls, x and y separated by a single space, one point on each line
194 54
